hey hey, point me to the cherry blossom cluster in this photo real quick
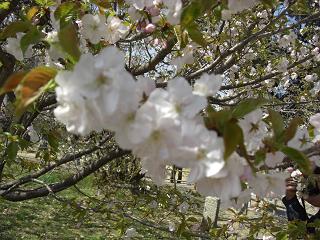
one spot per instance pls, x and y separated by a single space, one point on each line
171 10
161 126
97 27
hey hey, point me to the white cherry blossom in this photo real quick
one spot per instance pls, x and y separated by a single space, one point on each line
115 29
269 185
240 5
226 184
34 136
94 88
74 111
145 86
254 130
274 158
93 27
155 131
315 121
141 4
201 150
171 227
283 65
185 58
130 233
55 51
243 198
301 140
185 103
208 85
174 10
311 77
13 47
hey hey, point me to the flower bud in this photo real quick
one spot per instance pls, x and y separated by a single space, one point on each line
154 11
150 28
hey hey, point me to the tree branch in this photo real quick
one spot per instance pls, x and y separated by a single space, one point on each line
21 195
64 160
266 77
156 60
250 37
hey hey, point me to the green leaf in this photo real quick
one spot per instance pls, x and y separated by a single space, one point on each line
23 144
5 5
232 136
196 35
300 7
277 124
190 13
12 150
192 219
217 12
259 156
69 42
64 10
181 228
269 3
182 36
246 106
13 28
53 142
102 3
302 161
45 3
217 120
195 10
291 130
33 36
311 130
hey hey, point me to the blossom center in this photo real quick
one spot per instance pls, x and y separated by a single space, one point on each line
201 154
178 108
130 117
254 127
102 80
156 135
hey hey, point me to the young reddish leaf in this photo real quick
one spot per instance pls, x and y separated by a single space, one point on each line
69 41
12 82
232 136
31 84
